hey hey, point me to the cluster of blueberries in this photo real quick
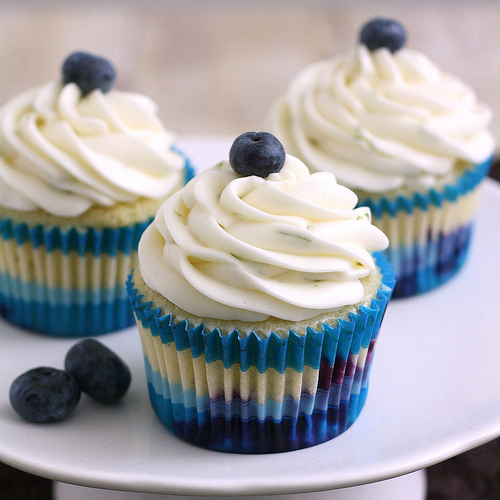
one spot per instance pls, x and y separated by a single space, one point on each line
46 394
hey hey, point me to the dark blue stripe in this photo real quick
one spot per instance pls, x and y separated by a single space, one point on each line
74 320
420 269
236 435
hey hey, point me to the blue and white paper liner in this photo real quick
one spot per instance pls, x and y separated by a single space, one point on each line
68 282
259 395
429 233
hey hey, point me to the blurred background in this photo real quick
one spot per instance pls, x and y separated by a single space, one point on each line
215 66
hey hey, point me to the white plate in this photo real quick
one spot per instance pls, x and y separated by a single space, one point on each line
434 393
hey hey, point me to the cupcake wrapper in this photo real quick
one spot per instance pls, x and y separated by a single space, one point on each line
259 395
429 233
67 283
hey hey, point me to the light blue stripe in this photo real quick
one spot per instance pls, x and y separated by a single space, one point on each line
288 407
18 289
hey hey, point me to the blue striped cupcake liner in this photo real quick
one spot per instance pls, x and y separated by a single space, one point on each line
429 233
68 282
247 394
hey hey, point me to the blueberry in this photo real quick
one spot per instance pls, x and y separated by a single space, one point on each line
257 153
383 32
44 394
88 72
99 371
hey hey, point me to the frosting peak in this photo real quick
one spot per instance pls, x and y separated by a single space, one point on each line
382 121
290 245
63 153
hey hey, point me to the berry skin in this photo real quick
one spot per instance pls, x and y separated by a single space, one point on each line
89 72
257 153
44 394
383 32
99 371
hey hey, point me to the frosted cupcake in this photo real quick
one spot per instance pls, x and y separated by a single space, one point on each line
409 139
258 302
83 170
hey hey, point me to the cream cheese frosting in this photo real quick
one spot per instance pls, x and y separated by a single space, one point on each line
381 121
290 246
64 153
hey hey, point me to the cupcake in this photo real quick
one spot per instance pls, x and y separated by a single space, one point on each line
259 296
83 170
410 140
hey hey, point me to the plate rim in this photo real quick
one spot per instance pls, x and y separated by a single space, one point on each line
295 484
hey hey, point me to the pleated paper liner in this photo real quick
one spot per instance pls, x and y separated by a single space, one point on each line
69 282
247 394
429 233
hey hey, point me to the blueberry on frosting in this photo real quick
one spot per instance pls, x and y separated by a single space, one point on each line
89 72
257 153
383 32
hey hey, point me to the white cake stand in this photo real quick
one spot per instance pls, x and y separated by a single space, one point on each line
434 393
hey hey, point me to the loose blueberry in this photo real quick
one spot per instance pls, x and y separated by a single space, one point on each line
89 72
99 371
44 394
257 153
383 32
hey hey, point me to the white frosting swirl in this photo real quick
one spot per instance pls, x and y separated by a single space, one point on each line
64 153
290 246
382 121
